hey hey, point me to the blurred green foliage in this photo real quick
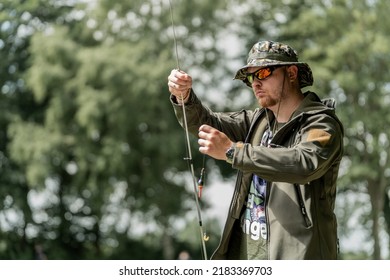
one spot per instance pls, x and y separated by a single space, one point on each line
91 156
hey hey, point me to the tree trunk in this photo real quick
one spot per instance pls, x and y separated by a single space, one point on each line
376 190
386 214
167 246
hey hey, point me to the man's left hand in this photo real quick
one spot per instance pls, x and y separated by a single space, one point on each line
213 142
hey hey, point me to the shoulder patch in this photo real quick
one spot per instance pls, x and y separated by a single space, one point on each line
319 135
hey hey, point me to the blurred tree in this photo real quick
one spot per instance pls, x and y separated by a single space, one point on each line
18 21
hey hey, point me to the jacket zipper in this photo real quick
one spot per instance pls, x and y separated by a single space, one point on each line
268 189
301 202
302 206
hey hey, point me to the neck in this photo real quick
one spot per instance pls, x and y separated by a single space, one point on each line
286 107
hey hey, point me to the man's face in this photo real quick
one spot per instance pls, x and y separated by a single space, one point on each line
268 91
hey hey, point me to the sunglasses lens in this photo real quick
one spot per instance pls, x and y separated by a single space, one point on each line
263 73
259 74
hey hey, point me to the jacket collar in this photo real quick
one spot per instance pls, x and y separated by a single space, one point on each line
310 105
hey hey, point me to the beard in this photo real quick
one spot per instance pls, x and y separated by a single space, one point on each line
267 101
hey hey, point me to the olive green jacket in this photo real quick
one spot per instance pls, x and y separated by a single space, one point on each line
301 169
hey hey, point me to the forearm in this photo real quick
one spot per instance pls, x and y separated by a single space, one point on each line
234 125
300 164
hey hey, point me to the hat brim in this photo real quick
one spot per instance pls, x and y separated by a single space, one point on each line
305 75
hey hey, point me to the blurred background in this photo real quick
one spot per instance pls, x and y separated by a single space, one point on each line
91 155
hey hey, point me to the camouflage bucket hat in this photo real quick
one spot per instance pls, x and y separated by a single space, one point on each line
269 53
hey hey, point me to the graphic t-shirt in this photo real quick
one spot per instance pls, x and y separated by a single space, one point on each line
253 221
250 237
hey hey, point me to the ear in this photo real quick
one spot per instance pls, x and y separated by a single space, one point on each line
292 72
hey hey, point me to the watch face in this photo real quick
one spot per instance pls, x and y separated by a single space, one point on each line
230 153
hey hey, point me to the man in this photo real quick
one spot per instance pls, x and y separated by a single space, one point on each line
287 153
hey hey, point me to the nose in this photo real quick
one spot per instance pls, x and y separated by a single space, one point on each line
256 83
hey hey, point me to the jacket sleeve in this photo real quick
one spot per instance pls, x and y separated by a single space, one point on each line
235 124
308 155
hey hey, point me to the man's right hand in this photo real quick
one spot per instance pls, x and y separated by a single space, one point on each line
179 84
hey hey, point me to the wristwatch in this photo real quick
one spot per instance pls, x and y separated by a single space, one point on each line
230 154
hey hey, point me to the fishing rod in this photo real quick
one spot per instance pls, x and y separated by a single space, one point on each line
197 187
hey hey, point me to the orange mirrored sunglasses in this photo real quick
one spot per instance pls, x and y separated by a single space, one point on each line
260 74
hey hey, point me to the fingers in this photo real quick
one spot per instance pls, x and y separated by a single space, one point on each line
206 128
179 83
205 139
213 142
207 132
